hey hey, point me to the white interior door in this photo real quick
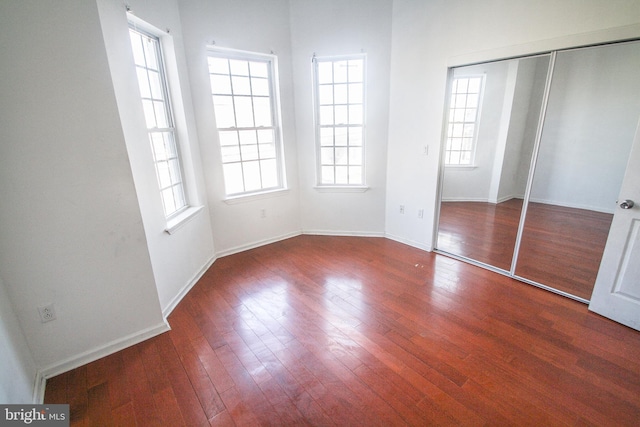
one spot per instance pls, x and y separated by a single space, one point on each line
616 294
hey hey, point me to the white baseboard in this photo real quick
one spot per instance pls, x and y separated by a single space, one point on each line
186 288
256 244
91 356
409 242
343 233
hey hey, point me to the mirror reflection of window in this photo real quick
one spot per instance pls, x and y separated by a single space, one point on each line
466 96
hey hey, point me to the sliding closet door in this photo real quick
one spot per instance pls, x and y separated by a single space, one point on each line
592 113
492 117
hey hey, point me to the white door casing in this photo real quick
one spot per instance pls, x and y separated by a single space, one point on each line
616 293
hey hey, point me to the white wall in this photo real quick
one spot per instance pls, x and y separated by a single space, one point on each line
257 26
71 232
17 368
430 36
338 27
178 259
588 134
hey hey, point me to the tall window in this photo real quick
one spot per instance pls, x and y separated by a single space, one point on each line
339 102
466 94
152 81
247 115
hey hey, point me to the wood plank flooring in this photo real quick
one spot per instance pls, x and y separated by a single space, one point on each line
323 331
561 247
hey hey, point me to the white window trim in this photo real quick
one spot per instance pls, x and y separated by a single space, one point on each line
339 188
282 187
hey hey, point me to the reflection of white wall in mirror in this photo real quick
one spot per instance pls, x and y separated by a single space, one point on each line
587 134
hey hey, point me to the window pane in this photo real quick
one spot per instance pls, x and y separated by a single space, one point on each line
327 176
341 136
355 93
164 176
223 107
249 152
355 156
355 114
174 170
158 147
468 130
161 114
168 201
326 155
230 153
244 111
233 178
265 135
136 47
267 151
220 84
340 94
474 85
340 69
326 115
260 87
239 68
326 136
342 175
341 113
241 85
269 171
229 138
248 137
252 180
325 94
355 175
355 136
341 157
178 197
218 65
156 86
150 53
149 114
356 70
325 72
259 69
262 110
145 91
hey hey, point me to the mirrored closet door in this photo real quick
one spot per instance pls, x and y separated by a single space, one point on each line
534 151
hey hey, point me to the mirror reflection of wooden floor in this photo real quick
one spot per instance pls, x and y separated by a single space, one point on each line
561 247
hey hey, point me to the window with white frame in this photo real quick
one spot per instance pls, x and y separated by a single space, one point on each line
244 91
147 55
462 130
340 117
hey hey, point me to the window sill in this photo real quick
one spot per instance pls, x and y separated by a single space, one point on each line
341 188
182 218
233 200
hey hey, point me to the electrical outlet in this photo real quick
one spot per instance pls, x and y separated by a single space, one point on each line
420 213
263 213
402 209
47 313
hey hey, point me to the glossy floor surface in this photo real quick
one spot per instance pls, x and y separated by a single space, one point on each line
318 330
561 247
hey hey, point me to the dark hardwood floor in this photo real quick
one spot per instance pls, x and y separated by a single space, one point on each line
318 330
561 247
